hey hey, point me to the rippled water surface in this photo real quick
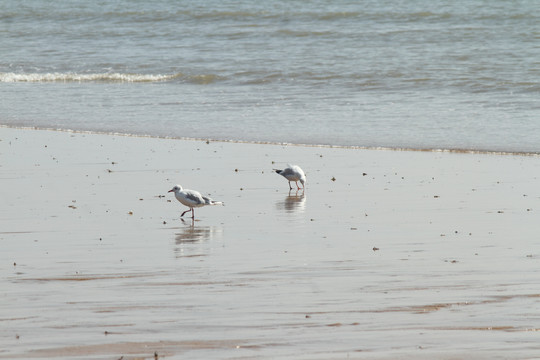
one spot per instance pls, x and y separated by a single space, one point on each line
416 74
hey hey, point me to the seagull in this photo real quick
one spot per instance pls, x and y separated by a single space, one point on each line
192 199
293 173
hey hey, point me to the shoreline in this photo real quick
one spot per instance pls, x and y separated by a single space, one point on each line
385 255
328 146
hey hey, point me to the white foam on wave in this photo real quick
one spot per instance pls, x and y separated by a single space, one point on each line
75 77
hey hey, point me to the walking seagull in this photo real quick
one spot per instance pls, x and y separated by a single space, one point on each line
192 199
293 173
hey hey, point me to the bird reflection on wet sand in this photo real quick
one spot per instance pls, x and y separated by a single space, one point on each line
193 240
295 201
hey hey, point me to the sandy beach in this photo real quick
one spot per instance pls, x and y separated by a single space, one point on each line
385 255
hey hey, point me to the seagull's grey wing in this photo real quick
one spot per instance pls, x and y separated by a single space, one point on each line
194 196
287 172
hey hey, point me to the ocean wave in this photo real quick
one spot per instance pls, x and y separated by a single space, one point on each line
243 77
75 77
201 79
104 77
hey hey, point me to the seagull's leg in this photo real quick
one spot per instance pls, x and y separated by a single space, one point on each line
290 187
185 212
192 214
298 187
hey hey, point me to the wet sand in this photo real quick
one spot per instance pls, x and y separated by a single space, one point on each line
385 255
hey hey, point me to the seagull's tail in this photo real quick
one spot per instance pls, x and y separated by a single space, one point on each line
277 171
209 201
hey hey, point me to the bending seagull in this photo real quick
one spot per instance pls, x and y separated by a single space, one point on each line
192 199
293 173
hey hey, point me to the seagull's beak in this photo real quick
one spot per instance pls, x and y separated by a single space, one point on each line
171 190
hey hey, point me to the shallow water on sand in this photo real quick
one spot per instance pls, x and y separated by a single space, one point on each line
385 254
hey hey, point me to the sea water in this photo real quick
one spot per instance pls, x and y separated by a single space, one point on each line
459 75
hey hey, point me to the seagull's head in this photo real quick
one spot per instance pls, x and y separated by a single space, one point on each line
176 188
